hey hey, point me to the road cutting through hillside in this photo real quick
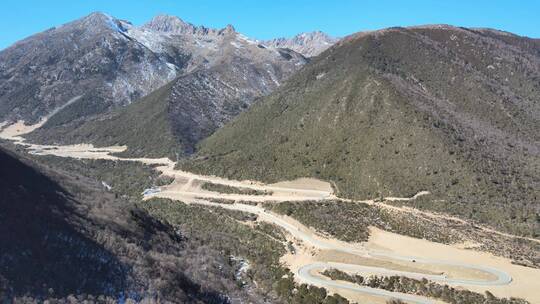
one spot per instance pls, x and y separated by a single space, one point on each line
413 258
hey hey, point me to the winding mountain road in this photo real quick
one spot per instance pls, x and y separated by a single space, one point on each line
307 275
185 189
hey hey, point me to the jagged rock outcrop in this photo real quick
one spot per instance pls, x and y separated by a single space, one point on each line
308 44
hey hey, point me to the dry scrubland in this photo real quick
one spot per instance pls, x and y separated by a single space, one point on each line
420 287
350 222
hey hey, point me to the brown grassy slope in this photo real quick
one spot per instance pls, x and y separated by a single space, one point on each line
143 126
448 110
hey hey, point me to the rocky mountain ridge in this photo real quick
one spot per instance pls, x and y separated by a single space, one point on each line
175 25
110 63
219 73
90 57
308 44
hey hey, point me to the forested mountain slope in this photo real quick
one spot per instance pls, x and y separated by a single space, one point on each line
453 111
67 238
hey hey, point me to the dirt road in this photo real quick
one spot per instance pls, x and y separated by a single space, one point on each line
461 268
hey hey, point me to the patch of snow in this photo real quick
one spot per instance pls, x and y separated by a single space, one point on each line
236 45
321 75
242 270
150 39
60 108
173 70
111 22
151 191
273 77
3 124
246 39
107 186
199 42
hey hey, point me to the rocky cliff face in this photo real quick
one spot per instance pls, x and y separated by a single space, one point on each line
107 63
308 44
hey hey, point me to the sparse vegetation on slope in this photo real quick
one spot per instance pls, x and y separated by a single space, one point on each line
422 288
83 243
143 126
220 231
397 111
350 221
125 178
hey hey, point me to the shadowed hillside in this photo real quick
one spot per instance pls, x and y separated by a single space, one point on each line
42 249
74 241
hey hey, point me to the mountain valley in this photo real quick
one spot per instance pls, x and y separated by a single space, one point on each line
174 163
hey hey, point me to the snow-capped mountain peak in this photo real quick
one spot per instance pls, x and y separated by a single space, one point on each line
98 21
115 61
169 24
308 44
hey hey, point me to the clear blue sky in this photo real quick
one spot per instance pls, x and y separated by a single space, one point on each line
263 19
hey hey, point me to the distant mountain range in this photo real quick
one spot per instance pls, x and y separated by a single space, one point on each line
92 58
97 64
308 44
